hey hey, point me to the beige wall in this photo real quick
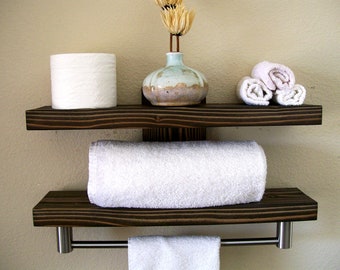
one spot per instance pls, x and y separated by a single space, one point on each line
227 39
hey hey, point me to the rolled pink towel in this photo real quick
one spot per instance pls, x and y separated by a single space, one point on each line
253 92
275 76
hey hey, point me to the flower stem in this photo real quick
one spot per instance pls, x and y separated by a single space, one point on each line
177 41
171 42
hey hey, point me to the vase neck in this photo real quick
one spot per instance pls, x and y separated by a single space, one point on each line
174 59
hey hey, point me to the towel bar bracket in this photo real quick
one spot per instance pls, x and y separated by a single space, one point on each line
283 240
64 239
284 234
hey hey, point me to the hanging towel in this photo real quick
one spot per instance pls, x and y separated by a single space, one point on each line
175 174
275 76
253 92
290 97
174 253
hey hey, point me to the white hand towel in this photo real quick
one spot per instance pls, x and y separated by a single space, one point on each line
275 76
253 92
176 174
174 253
290 97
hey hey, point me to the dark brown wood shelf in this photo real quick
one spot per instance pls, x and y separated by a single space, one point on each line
201 116
73 209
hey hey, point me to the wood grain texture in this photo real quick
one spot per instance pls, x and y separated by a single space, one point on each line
201 116
72 208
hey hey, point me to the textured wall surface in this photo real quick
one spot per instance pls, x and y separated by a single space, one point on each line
227 39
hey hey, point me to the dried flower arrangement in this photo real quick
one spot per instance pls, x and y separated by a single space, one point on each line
176 18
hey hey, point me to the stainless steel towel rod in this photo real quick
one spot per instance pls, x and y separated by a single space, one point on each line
283 240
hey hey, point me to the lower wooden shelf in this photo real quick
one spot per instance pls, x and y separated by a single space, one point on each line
72 208
67 209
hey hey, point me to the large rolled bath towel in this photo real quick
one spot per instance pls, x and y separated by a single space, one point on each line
175 174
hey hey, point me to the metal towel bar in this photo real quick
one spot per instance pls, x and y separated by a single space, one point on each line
283 240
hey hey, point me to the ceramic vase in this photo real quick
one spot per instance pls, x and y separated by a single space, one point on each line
175 84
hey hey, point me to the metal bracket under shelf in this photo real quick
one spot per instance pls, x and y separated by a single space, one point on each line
283 240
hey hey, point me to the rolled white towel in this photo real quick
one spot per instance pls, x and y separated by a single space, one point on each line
253 91
290 97
173 253
176 174
275 76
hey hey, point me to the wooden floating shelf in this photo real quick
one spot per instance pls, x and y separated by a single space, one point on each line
73 209
201 116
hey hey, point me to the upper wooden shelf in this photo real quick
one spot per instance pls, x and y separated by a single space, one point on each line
201 116
72 209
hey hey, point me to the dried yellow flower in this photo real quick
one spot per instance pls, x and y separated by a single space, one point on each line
178 20
166 4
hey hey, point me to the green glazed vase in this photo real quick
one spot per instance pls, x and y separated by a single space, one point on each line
175 84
